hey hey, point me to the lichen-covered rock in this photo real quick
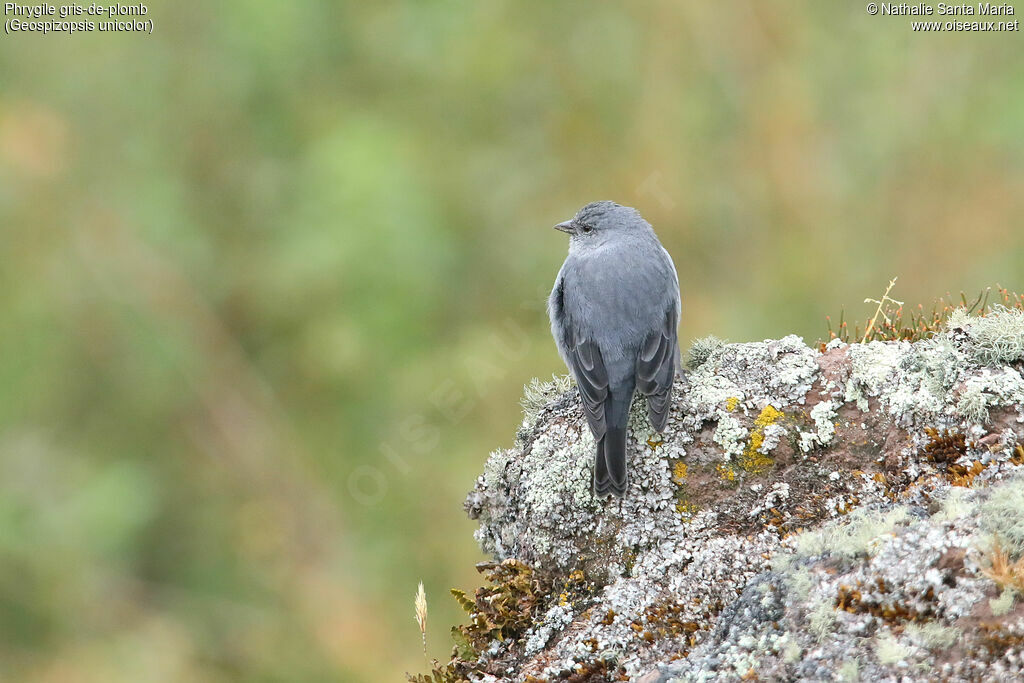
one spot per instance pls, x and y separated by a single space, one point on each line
844 513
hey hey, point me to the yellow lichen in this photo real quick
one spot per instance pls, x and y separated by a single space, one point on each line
727 472
679 472
753 460
731 403
686 510
654 443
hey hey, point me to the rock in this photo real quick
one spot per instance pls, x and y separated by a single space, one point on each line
808 514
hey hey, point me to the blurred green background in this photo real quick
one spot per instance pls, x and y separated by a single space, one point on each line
273 277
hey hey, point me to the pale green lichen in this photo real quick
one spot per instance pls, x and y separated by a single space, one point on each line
890 651
790 649
538 394
849 671
998 338
871 366
958 503
932 635
702 349
639 422
859 532
927 371
959 319
820 620
800 582
557 478
494 468
973 405
1004 603
1001 514
991 387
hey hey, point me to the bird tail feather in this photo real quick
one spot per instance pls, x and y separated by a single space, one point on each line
610 474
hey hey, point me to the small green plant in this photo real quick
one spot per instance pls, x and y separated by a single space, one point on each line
893 321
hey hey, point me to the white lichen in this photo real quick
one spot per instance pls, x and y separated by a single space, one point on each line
730 435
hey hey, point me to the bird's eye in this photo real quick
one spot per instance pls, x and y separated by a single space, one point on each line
586 228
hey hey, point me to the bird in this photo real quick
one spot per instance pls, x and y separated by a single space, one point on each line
614 312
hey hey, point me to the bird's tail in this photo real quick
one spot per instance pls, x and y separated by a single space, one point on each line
610 474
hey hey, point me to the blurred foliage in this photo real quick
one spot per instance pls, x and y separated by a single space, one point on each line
273 279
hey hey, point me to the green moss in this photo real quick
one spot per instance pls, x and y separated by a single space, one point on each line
505 608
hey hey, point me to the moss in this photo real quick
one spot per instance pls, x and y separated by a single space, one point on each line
944 446
504 609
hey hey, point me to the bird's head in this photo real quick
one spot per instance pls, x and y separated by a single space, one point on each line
598 221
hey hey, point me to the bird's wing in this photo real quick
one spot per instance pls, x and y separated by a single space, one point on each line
592 379
656 368
583 357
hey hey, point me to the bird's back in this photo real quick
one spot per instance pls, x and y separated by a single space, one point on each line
618 293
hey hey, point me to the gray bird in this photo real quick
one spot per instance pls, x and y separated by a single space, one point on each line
614 312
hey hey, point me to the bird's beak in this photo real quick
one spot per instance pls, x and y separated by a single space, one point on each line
566 226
